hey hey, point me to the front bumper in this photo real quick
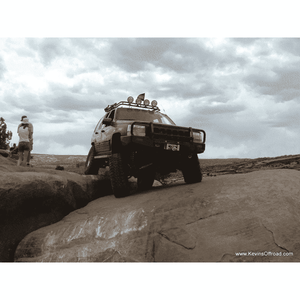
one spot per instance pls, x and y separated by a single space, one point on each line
159 135
160 144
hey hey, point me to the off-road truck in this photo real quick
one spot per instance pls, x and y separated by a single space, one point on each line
135 139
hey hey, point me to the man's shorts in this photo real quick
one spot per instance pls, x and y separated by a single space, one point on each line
24 146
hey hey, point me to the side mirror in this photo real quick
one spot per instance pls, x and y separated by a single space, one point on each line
107 121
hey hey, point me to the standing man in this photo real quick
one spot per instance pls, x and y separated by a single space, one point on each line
30 139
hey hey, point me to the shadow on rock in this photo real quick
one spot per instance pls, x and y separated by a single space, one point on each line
31 199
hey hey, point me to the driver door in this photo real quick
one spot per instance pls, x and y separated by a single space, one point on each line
106 135
97 135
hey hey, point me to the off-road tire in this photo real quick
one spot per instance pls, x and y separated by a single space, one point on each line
191 169
91 165
118 175
145 178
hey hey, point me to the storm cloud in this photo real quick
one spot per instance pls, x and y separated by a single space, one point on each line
244 92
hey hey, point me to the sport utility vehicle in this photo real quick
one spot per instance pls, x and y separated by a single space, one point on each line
136 139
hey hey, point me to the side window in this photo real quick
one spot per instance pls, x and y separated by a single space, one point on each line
111 115
99 125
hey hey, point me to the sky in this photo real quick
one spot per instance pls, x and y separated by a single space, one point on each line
244 92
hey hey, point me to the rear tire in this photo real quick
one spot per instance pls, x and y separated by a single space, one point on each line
191 169
91 165
145 178
118 176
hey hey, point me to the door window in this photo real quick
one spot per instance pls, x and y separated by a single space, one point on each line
99 125
111 115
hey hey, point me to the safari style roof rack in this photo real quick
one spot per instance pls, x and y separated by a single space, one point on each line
140 102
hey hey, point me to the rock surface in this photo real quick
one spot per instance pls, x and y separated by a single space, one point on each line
233 166
31 198
255 213
4 153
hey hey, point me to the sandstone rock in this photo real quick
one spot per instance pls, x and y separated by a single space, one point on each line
255 213
221 167
31 198
4 153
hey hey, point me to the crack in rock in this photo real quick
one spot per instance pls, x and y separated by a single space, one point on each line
153 251
150 248
219 213
274 238
177 243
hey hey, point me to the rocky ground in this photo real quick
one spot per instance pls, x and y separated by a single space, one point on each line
214 167
217 167
230 211
210 167
33 197
70 163
252 217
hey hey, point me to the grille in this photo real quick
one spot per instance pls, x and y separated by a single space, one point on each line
177 134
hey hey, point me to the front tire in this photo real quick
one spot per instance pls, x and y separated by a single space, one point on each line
191 169
91 165
118 175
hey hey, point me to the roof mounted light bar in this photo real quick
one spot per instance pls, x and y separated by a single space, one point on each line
139 102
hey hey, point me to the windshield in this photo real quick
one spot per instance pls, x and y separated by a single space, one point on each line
142 115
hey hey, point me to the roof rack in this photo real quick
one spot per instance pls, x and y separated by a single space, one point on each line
130 103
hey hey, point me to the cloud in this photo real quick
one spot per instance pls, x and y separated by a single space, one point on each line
2 68
281 83
288 46
49 49
246 42
284 115
243 92
178 55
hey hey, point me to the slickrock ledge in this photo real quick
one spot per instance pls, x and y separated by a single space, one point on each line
31 198
251 217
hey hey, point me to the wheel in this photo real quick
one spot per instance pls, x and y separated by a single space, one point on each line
145 178
191 169
91 165
118 176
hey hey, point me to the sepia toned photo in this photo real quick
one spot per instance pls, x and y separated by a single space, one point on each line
132 159
202 166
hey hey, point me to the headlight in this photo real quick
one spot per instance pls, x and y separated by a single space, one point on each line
197 136
139 130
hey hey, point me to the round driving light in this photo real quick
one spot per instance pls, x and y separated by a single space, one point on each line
138 101
154 103
130 99
146 102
